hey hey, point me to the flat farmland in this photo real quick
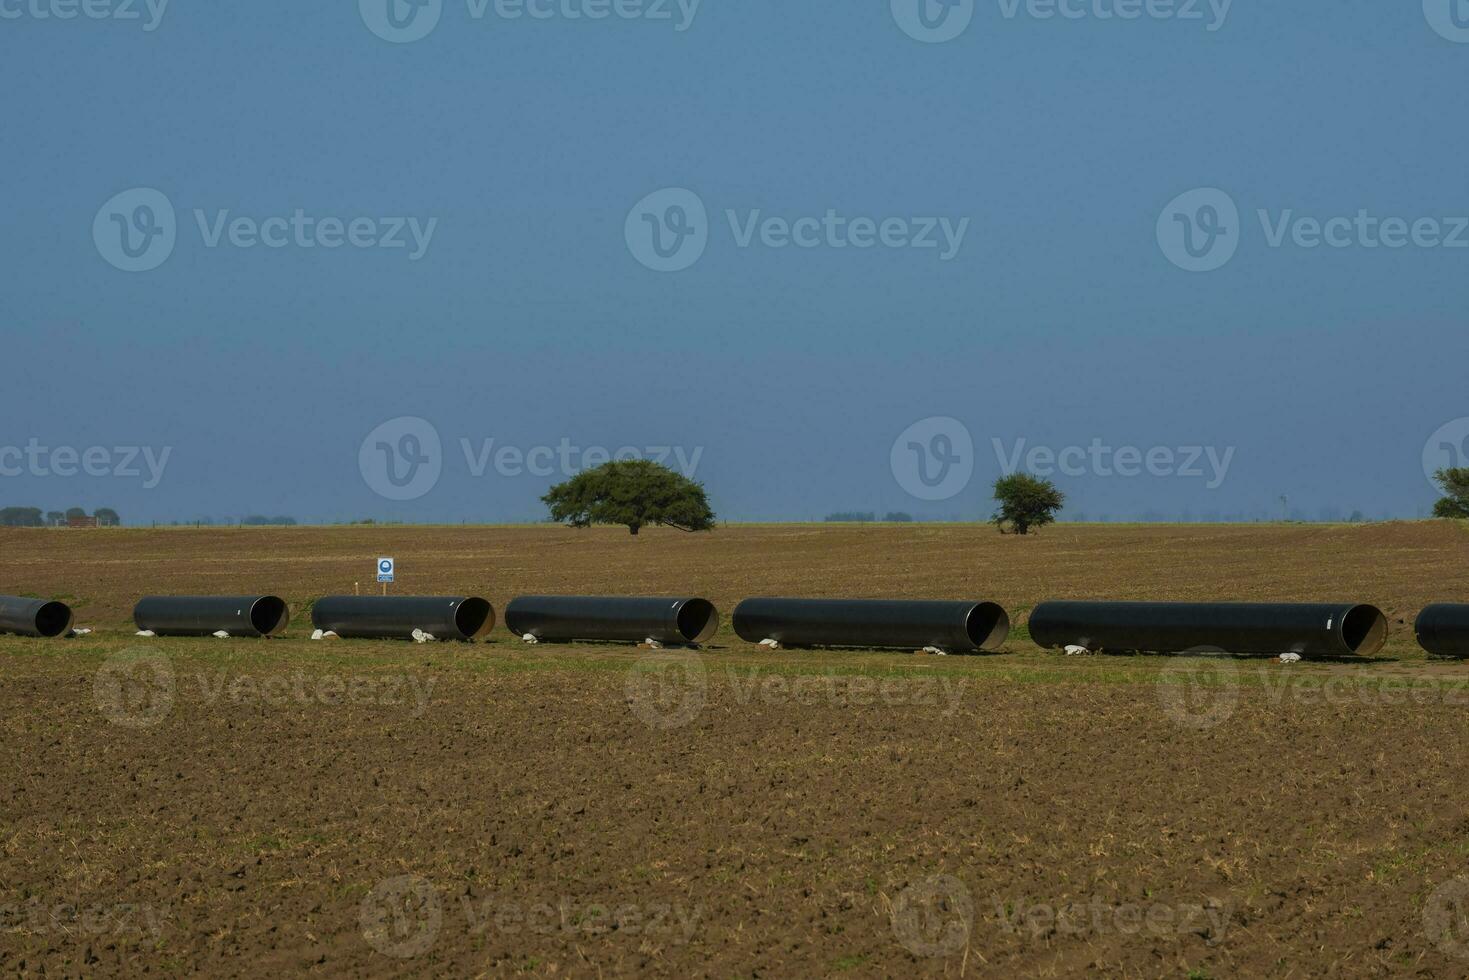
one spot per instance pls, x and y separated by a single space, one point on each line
1398 567
342 808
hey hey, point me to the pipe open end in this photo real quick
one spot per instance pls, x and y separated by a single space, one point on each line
53 619
474 618
270 616
698 620
1364 630
988 626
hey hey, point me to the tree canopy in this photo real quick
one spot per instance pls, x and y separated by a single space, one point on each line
635 493
1455 484
1026 502
21 517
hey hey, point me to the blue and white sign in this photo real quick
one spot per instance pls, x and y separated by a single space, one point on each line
385 569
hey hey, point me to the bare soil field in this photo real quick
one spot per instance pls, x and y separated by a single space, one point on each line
1399 567
258 808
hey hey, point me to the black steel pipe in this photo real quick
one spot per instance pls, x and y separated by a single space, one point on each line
612 618
1337 629
370 617
205 615
1443 629
34 617
960 626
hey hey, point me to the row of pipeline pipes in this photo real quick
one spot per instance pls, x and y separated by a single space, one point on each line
1341 629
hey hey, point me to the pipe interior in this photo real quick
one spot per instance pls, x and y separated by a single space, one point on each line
988 626
53 619
697 620
269 615
474 618
1364 629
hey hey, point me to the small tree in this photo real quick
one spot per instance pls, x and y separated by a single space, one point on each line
634 493
1026 502
55 518
1455 484
73 513
107 517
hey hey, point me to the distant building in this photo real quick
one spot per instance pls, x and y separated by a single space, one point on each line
81 522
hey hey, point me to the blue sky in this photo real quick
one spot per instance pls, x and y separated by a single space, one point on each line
532 149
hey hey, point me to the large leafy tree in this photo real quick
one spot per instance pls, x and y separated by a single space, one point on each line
634 493
1455 484
1026 502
